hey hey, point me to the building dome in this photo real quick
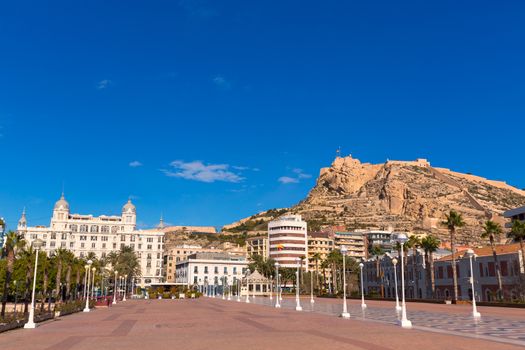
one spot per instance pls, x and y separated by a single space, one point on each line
129 207
62 204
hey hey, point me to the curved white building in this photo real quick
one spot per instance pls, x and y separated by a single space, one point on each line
288 240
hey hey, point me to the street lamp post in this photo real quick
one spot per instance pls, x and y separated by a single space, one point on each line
248 287
115 289
312 287
223 288
37 243
363 305
297 299
394 262
16 295
280 288
89 262
93 283
277 287
475 313
405 323
238 291
345 313
125 287
84 294
229 288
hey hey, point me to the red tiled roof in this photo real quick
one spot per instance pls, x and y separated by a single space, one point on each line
485 251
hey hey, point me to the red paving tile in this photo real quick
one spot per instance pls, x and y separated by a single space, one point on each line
217 324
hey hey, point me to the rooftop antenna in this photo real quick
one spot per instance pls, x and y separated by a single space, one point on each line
338 152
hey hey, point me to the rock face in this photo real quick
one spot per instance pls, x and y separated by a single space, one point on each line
408 196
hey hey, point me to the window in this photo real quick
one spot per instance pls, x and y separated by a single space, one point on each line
158 255
114 245
132 238
83 238
149 246
83 228
122 245
114 229
194 279
103 245
225 270
94 228
159 240
132 245
82 245
104 238
93 245
104 229
52 244
216 269
205 269
195 269
71 245
93 238
64 236
53 235
74 228
150 239
234 270
122 238
149 255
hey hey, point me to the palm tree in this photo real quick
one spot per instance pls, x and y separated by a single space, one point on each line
78 264
26 261
492 231
13 242
45 267
69 259
517 233
324 266
453 221
60 258
430 244
414 242
316 257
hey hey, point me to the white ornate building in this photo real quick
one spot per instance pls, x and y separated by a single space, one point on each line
101 235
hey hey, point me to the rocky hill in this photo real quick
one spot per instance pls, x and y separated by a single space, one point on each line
404 196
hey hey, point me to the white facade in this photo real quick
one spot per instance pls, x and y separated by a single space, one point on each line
287 239
208 270
83 234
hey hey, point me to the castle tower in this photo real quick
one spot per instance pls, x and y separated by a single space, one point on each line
22 223
60 214
129 216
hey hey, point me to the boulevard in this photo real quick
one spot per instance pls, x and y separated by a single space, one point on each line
207 323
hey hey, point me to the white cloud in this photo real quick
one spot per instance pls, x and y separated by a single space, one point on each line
300 175
198 171
104 84
135 164
221 82
287 180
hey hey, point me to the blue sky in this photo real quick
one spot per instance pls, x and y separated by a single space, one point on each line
210 111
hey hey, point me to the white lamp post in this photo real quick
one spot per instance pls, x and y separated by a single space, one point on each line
475 313
89 262
248 287
297 299
312 287
37 243
93 269
405 323
115 289
125 286
238 291
363 305
223 288
271 289
229 288
394 262
280 288
277 287
84 294
345 313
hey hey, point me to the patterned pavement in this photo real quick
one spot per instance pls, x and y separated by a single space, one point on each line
491 328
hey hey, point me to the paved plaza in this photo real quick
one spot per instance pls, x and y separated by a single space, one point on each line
209 323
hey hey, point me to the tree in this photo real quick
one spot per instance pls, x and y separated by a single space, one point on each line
492 231
414 242
316 257
453 221
430 244
60 257
517 233
13 242
44 266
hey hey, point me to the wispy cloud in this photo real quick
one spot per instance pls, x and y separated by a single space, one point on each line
288 180
221 82
135 164
244 168
104 84
299 175
198 171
